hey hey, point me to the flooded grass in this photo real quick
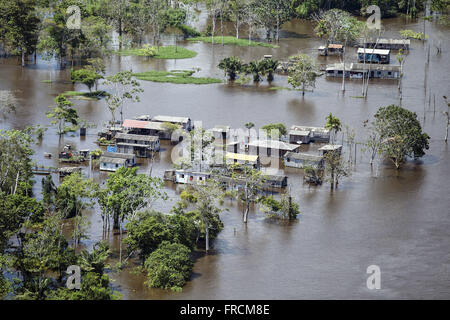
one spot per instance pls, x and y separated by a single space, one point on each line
94 95
166 52
175 76
229 40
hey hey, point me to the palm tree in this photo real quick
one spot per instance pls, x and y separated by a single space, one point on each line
231 66
256 68
333 124
269 67
249 125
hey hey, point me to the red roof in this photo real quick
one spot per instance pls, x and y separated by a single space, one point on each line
135 124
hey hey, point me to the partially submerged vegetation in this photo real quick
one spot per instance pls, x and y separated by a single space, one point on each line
175 76
166 52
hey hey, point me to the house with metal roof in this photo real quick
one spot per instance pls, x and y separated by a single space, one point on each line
141 145
306 134
331 147
331 49
300 160
184 122
144 127
374 55
111 161
360 70
271 148
390 44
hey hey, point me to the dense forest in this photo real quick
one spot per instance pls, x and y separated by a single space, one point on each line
28 27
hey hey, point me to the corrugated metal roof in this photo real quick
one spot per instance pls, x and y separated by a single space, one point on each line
140 124
128 156
112 160
137 137
374 51
273 144
171 119
303 156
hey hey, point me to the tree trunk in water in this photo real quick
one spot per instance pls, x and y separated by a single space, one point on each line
116 222
207 236
23 58
213 29
343 73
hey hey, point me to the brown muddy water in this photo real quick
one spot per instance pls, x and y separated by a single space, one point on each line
398 220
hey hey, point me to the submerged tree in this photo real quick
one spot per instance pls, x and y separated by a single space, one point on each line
249 183
302 73
400 133
205 202
231 66
335 168
62 114
125 88
169 266
87 77
19 27
333 124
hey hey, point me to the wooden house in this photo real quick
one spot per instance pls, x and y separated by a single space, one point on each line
374 55
111 161
331 147
306 134
141 145
389 44
359 70
300 160
149 128
331 49
271 148
184 122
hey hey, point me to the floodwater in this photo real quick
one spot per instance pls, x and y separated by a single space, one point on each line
398 220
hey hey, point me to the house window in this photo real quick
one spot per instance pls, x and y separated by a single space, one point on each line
389 73
200 178
117 165
182 176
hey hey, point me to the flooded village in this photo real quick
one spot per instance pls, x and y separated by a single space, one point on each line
277 175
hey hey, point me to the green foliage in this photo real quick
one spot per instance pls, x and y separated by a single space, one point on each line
94 286
275 129
231 66
338 26
166 52
175 76
74 195
410 34
15 210
126 192
188 31
149 229
19 27
335 168
63 113
284 208
169 267
333 124
400 133
86 76
15 161
302 73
